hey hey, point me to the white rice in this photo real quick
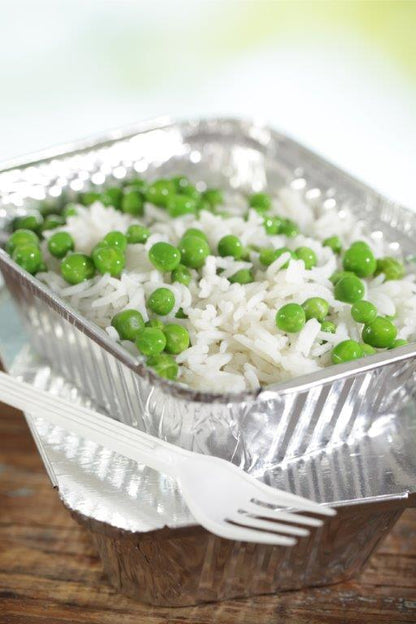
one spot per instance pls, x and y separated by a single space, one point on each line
235 344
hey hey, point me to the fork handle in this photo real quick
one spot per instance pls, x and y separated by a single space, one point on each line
112 434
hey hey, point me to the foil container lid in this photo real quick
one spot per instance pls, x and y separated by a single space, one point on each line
107 487
93 480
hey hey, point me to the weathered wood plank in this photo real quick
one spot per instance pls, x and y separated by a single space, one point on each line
50 574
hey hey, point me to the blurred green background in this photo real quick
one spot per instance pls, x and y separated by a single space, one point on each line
338 76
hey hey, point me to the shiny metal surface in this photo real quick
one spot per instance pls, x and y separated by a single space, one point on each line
327 408
345 435
190 566
141 527
379 464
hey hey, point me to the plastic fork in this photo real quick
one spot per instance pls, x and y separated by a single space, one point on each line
221 497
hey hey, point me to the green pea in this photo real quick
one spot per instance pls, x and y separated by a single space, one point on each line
182 275
400 342
204 205
195 232
77 267
160 191
243 276
213 197
164 365
100 245
47 207
137 234
177 338
346 351
116 239
289 228
133 203
329 327
363 311
291 318
89 197
161 301
380 333
28 256
181 183
230 245
20 238
307 255
70 210
136 184
192 192
268 256
272 225
28 222
155 323
367 349
60 243
335 277
260 201
150 341
164 256
349 289
180 314
52 221
334 243
194 251
112 196
109 260
360 259
315 307
128 323
392 268
179 205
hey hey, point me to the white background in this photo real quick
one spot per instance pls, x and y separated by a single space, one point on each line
70 69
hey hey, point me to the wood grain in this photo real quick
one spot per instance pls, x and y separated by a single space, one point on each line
50 574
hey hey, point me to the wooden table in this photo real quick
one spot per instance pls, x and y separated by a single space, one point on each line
50 574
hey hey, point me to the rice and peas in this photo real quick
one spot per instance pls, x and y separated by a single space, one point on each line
280 286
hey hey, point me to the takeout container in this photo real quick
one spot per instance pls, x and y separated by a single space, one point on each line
150 547
254 430
268 433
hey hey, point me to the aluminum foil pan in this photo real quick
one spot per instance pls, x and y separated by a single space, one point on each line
257 431
148 542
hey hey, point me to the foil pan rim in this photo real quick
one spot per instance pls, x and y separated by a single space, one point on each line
243 124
